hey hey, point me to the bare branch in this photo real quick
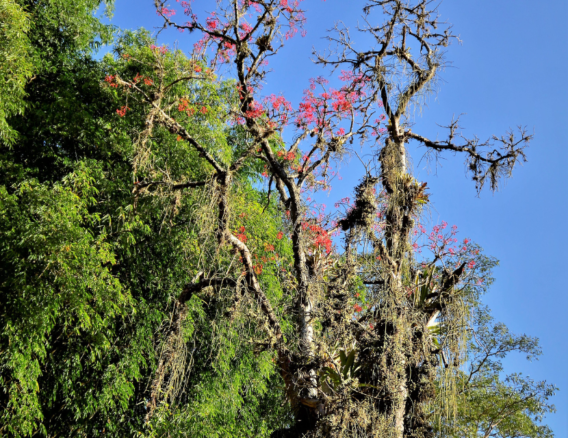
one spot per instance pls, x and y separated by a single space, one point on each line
498 162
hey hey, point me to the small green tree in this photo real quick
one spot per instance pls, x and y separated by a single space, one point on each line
490 404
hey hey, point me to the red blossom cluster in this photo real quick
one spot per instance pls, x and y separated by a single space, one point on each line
445 246
110 79
139 78
159 49
166 12
184 106
186 7
246 29
320 237
122 111
376 130
287 156
318 111
212 22
259 260
217 27
344 201
241 235
279 107
438 242
256 110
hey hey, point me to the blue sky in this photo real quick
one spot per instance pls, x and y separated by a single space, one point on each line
510 70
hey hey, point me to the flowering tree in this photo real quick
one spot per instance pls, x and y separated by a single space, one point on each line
368 333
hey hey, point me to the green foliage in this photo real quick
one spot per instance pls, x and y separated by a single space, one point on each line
62 29
56 279
89 271
15 63
38 38
347 370
233 392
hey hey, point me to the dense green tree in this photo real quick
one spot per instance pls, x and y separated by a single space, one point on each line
89 268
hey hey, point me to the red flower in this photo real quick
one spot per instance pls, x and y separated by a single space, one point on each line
280 235
241 235
166 12
357 308
110 80
122 111
184 105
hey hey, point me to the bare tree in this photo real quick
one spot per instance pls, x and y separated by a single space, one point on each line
349 370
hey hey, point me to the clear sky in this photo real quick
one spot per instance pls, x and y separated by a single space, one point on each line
510 70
